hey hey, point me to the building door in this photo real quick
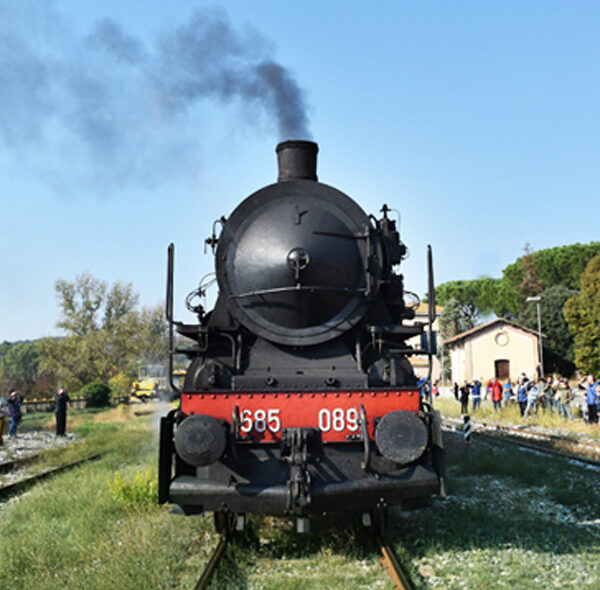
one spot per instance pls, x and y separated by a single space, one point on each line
502 369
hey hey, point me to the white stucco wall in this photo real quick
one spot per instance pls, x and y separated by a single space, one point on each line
476 355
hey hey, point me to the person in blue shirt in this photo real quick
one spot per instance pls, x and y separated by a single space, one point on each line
423 386
507 392
14 401
476 393
522 393
533 394
591 398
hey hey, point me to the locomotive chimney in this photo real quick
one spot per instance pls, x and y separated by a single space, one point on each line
297 159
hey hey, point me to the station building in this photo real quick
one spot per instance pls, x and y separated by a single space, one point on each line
499 348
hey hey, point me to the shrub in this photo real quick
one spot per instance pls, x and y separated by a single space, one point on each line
97 393
141 493
120 385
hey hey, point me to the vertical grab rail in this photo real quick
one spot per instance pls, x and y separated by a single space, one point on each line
169 313
431 318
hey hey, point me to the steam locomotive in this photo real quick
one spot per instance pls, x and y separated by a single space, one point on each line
299 398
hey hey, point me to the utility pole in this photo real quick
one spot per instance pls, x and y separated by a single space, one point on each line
537 299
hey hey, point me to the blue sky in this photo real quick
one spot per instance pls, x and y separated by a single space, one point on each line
478 121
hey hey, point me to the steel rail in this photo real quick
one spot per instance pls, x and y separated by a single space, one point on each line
389 562
14 463
522 432
511 437
26 481
539 448
211 566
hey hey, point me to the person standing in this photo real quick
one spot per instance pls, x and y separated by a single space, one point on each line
549 393
568 397
495 388
2 413
476 393
591 398
508 392
522 394
563 399
464 398
532 397
14 401
60 409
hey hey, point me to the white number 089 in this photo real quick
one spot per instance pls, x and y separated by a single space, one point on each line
339 420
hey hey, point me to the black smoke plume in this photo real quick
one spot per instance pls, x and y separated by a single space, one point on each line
125 105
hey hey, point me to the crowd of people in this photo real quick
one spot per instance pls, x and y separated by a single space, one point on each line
11 407
550 394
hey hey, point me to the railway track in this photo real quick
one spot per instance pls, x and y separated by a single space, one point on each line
212 563
15 486
549 444
388 561
13 464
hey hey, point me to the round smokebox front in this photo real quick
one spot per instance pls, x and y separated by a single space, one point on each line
292 263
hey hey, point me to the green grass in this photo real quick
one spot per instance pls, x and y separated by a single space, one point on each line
37 421
68 532
507 524
513 520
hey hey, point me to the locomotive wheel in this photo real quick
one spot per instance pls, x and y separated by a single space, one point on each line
224 522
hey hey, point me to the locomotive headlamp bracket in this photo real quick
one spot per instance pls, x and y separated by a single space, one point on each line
298 259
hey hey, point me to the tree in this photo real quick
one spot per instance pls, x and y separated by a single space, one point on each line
536 271
19 365
104 331
472 297
557 341
530 274
454 319
531 284
80 302
583 316
98 394
152 337
75 360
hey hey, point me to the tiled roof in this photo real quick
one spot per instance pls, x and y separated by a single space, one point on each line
487 326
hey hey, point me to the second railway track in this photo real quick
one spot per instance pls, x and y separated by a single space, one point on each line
551 444
28 480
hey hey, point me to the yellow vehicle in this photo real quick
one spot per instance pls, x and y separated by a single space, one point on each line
153 383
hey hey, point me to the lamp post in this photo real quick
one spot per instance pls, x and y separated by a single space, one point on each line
537 300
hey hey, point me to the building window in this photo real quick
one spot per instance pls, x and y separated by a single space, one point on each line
501 338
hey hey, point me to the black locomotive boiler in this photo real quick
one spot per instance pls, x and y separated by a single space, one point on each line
299 398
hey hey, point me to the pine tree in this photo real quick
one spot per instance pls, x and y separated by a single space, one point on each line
583 316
